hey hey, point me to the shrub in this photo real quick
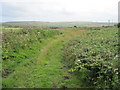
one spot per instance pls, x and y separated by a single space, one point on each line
118 25
94 57
97 72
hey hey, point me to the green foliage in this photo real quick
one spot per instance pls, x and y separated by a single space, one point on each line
20 46
118 25
94 56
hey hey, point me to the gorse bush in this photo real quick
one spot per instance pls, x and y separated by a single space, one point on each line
94 57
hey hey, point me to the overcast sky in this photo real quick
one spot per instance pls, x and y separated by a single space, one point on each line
59 10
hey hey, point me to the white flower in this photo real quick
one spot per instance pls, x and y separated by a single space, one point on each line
78 60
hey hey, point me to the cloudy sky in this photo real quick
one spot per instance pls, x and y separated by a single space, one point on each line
59 10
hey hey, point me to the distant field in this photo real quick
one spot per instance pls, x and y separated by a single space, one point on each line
57 24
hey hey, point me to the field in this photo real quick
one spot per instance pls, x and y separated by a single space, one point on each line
75 56
55 24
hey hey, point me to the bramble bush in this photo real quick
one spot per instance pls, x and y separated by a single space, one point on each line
94 57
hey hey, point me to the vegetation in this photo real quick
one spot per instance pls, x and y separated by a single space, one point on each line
39 65
118 25
54 24
20 46
94 57
59 57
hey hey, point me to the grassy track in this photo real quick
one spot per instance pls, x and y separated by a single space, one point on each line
60 58
47 70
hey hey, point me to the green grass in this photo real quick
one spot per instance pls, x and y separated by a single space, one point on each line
23 70
42 58
43 71
20 50
43 68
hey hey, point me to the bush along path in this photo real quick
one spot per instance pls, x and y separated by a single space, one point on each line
47 69
94 58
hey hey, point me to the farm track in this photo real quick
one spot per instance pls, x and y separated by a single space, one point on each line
52 50
47 71
67 36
